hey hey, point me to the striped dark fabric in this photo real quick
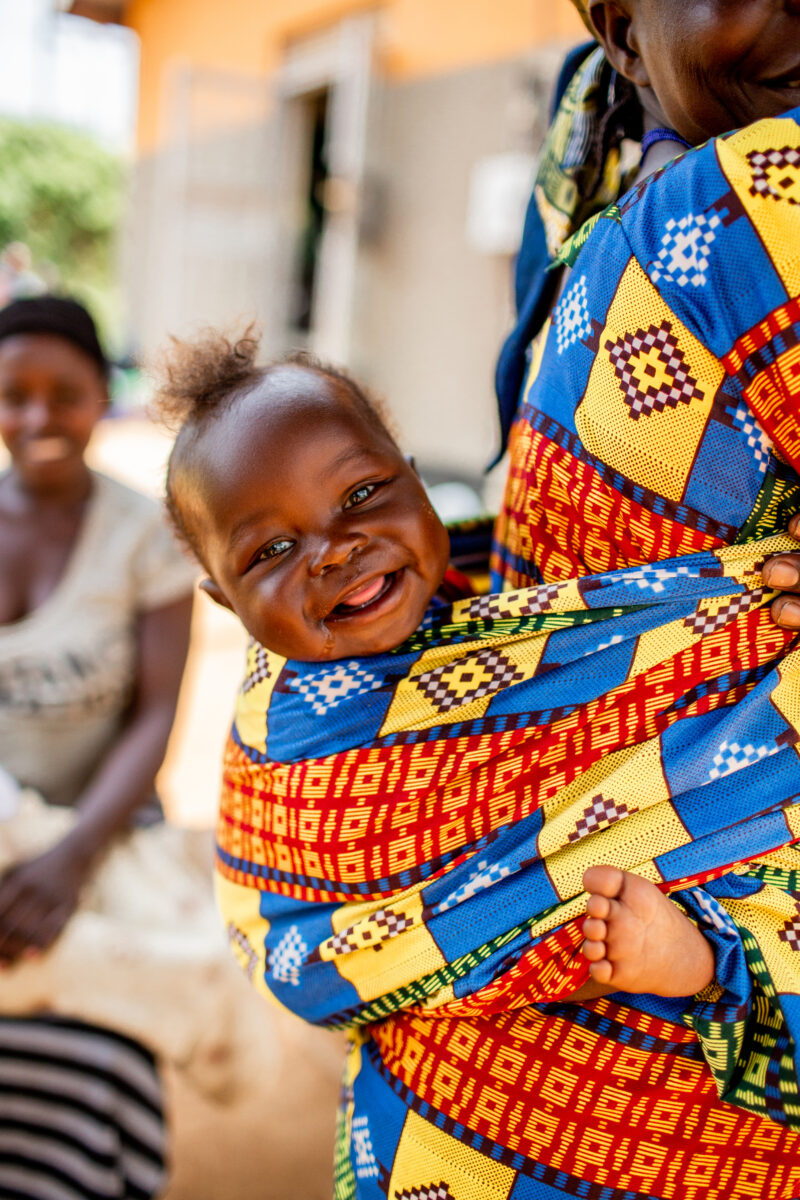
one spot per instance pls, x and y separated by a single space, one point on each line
81 1113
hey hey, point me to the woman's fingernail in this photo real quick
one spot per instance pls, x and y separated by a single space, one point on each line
782 575
790 614
794 525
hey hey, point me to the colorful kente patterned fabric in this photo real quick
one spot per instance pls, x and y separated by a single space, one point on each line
402 838
589 158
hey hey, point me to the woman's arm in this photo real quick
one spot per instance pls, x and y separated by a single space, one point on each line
37 897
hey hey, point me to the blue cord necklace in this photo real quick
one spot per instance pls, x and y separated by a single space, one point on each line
662 135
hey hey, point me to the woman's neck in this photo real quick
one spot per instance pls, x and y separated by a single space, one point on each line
25 495
661 152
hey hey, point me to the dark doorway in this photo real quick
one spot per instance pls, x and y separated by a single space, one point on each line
316 108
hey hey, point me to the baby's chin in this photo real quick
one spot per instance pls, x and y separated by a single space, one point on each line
362 646
359 643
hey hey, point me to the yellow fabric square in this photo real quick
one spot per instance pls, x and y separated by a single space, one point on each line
424 1161
659 645
252 703
246 929
379 946
621 783
786 693
451 684
629 845
763 167
649 387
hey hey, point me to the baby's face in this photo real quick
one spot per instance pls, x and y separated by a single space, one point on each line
316 531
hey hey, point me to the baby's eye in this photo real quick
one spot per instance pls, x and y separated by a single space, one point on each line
360 495
276 549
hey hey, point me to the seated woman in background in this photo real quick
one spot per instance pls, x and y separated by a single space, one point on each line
95 607
106 917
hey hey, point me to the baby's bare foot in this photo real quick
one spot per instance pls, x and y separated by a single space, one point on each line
639 941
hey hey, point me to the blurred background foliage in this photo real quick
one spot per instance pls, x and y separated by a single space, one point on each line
62 195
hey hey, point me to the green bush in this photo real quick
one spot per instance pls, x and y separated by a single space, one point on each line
62 194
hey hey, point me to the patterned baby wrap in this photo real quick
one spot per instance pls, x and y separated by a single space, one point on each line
402 838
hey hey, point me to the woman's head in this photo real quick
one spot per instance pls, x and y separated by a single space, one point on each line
53 388
704 67
313 527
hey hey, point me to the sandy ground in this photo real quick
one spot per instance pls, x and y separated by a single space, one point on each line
275 1140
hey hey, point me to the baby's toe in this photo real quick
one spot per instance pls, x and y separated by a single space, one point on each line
604 881
593 951
594 930
602 971
599 907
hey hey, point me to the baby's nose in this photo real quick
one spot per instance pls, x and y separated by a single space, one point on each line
335 552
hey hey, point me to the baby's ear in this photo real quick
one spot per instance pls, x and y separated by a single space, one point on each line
216 593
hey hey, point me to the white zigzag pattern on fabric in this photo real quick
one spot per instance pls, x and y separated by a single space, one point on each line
325 689
731 757
758 441
484 877
714 912
684 254
571 317
366 1163
288 956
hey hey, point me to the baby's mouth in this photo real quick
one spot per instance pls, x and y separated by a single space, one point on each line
364 598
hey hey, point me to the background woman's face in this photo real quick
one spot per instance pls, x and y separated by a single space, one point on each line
715 65
51 397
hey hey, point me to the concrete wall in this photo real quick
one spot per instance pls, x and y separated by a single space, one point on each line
431 309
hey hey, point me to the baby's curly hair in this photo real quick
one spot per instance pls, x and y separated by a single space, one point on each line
199 380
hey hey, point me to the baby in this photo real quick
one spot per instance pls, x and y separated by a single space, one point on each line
316 531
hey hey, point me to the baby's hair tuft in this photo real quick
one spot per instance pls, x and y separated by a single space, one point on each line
196 378
197 381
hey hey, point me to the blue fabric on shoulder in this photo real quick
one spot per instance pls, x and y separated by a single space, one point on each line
533 287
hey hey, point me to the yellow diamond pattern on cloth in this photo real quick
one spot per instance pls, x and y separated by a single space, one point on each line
775 173
486 672
711 615
631 845
648 388
631 779
456 683
652 371
246 930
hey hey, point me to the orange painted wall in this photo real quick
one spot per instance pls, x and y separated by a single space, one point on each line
418 37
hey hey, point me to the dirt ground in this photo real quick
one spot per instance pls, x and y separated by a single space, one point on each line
274 1140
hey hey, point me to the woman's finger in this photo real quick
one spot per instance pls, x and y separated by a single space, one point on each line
49 929
783 572
786 612
19 925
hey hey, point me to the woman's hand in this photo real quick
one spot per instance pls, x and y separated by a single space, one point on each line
37 898
783 572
